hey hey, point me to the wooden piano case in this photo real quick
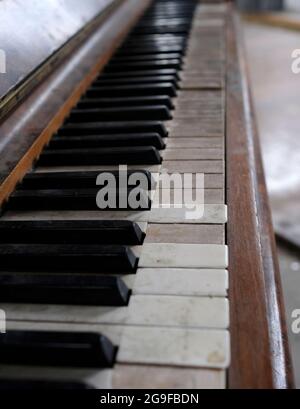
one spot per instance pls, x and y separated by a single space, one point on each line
259 347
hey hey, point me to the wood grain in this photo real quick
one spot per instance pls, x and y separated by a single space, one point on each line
259 347
44 39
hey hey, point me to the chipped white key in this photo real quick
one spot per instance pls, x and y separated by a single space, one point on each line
184 255
178 311
175 346
175 281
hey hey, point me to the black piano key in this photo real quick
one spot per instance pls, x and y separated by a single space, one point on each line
163 22
103 141
73 199
64 289
132 90
155 41
143 65
151 49
67 258
76 180
147 57
167 24
135 155
98 128
136 80
74 349
182 29
127 102
157 112
154 38
71 232
142 73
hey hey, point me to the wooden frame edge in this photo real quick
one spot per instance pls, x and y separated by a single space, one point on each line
259 344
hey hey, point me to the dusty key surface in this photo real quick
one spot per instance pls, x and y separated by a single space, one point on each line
184 281
175 346
178 311
184 255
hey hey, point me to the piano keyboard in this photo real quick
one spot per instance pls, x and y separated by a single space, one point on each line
126 297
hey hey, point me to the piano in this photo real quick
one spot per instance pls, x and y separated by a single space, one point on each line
136 242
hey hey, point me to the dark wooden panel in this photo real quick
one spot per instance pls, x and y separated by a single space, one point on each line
30 126
260 351
31 32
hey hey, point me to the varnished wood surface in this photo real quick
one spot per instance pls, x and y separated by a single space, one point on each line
54 98
32 32
260 356
259 345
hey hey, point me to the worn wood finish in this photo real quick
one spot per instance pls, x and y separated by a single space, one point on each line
55 24
53 99
259 347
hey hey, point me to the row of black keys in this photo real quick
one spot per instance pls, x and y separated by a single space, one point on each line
143 72
116 122
96 247
73 259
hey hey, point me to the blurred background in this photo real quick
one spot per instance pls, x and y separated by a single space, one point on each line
272 33
261 5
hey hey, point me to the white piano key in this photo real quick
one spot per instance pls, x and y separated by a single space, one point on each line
192 128
166 377
204 97
175 281
177 196
192 154
204 348
164 195
184 255
210 8
186 233
178 311
187 143
212 213
193 166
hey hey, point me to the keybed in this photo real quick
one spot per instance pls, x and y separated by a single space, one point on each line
158 106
